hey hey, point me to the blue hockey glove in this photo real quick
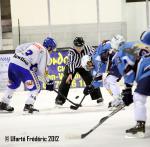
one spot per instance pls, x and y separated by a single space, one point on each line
34 67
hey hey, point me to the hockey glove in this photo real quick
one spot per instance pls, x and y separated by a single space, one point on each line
127 96
88 89
50 85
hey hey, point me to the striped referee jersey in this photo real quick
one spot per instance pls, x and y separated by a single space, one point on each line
74 57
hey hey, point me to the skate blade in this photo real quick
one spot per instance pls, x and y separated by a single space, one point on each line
111 108
100 104
4 111
28 113
114 108
60 107
138 135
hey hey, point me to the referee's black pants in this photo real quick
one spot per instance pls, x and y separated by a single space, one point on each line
86 76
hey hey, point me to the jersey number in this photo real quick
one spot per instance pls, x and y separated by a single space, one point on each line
28 52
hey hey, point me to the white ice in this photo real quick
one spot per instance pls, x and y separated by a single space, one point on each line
62 122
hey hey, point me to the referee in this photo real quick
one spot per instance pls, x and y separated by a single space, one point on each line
74 66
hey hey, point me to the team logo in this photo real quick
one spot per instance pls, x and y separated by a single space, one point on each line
29 84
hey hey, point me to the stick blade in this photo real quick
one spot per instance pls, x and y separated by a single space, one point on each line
83 135
73 107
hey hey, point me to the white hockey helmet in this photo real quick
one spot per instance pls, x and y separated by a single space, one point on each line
116 41
84 62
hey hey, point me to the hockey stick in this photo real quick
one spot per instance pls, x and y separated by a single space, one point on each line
102 120
79 105
74 104
76 107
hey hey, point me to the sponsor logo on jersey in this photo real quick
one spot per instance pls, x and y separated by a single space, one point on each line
29 84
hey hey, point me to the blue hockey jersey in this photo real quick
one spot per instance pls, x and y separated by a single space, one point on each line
126 61
143 69
100 66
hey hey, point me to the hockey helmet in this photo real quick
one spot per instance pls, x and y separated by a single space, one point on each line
104 47
49 43
78 42
116 41
145 37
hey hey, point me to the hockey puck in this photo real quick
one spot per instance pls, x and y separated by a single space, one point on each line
76 97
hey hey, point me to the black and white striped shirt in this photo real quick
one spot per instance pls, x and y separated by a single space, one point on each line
74 58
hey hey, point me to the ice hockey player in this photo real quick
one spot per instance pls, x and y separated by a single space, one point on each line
29 60
120 63
133 64
98 64
113 77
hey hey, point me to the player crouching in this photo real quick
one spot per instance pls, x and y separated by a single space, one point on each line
29 61
141 73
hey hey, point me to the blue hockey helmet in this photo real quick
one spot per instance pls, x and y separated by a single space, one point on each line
145 37
103 50
104 47
49 43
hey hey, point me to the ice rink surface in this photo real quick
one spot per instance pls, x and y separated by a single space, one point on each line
51 121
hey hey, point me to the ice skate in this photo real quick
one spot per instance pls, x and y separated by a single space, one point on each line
115 104
100 101
29 108
59 103
110 107
6 107
136 132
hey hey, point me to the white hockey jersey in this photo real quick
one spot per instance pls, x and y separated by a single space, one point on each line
30 54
